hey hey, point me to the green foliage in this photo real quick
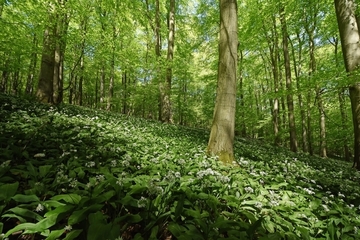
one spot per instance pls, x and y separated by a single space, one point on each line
74 173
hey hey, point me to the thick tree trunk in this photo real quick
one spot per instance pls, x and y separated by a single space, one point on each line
289 97
45 86
222 130
350 43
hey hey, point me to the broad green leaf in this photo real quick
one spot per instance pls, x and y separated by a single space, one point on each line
175 229
80 215
21 198
55 234
26 213
8 190
11 215
69 198
73 234
60 210
44 170
130 218
22 226
154 232
98 231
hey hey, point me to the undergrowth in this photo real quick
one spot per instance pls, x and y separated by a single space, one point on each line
72 173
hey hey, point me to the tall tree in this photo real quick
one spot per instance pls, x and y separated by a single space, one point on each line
222 130
289 96
350 44
165 88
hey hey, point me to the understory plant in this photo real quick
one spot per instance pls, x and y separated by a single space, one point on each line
74 173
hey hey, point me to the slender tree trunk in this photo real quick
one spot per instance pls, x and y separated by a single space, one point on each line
241 90
124 85
112 72
289 97
298 72
222 130
350 43
165 89
342 105
32 67
4 75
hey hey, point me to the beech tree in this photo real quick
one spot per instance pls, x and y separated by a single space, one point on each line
350 44
223 126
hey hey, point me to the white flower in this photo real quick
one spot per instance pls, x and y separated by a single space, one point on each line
273 203
177 175
100 178
142 202
258 205
249 190
341 195
113 163
308 191
355 230
326 209
119 182
68 228
90 164
73 183
39 208
39 155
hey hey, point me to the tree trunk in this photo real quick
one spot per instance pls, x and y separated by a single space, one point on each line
45 86
289 97
350 43
222 130
166 88
298 72
32 67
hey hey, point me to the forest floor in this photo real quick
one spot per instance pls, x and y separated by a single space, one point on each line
68 172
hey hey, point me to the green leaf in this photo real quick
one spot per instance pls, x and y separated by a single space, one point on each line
69 198
21 198
26 213
22 226
130 218
73 234
305 234
154 232
98 231
55 234
31 169
11 215
179 206
44 170
80 215
46 223
175 229
59 210
7 191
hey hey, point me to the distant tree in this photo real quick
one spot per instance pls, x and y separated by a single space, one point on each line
289 96
222 130
350 44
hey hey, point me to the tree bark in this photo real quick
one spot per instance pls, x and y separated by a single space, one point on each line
289 97
32 67
350 43
222 130
44 91
166 88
